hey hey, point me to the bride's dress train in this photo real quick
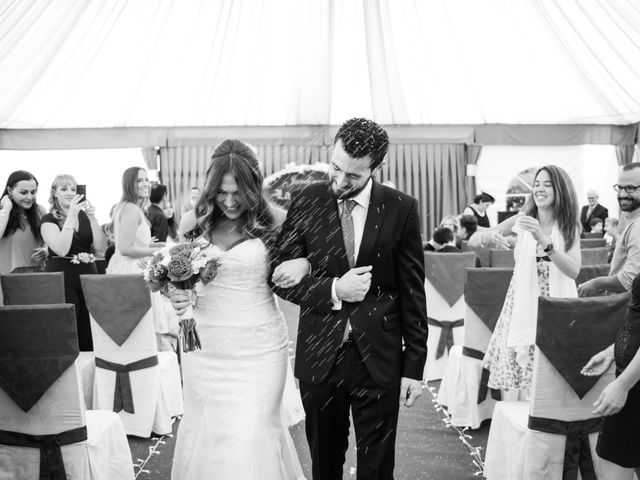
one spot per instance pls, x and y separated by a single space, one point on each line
233 426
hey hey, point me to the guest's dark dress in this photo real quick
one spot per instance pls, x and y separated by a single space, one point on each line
618 442
82 243
483 220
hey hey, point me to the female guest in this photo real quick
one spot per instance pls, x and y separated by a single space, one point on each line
232 425
131 229
21 248
478 209
618 444
73 235
134 243
547 259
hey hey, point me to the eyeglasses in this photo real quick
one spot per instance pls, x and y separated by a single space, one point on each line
626 188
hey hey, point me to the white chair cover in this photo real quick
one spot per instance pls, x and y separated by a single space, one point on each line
151 407
460 386
105 455
156 389
444 273
517 448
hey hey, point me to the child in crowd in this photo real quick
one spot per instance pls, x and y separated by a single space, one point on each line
444 236
597 225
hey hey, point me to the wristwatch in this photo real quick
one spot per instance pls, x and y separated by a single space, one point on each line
549 249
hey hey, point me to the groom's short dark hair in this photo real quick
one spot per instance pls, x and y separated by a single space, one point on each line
361 137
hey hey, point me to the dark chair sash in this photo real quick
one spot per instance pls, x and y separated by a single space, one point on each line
577 452
51 463
122 395
446 334
483 389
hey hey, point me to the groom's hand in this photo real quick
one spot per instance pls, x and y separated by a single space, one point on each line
354 285
410 391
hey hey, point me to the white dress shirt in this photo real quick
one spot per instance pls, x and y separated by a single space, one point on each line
359 216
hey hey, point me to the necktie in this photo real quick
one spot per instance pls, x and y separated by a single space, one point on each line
349 237
348 230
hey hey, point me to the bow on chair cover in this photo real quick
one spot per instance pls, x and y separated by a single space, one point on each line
446 334
116 302
33 288
123 396
445 271
570 331
38 345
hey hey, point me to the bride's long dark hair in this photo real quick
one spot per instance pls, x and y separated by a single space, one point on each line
239 160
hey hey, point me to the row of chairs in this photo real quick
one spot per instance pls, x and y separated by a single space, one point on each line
594 252
125 373
561 398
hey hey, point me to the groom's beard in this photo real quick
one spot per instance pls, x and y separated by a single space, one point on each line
346 194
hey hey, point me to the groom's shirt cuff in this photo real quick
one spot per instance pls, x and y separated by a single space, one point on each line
336 302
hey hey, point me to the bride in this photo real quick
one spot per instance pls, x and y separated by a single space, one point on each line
233 425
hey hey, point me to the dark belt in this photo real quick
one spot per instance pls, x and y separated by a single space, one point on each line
446 334
577 453
122 396
483 389
51 463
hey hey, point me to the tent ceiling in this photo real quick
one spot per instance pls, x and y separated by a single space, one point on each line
151 63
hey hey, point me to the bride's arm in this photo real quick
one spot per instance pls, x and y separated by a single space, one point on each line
289 273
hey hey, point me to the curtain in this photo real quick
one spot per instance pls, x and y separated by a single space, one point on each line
150 155
182 168
432 173
624 154
472 153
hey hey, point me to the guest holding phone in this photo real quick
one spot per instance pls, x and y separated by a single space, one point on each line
73 236
21 248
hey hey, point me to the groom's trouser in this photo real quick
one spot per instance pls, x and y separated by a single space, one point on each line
375 418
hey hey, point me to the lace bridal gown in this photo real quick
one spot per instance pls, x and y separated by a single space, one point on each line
233 425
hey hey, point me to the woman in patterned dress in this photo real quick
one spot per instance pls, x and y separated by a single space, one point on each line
548 259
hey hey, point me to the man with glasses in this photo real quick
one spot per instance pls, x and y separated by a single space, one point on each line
625 263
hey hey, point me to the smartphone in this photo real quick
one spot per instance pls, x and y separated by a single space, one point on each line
81 190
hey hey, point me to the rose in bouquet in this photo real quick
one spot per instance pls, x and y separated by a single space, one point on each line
182 266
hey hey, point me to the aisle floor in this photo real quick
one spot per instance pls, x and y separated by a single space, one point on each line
425 448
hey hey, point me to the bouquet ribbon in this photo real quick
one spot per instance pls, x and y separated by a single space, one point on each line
122 396
188 333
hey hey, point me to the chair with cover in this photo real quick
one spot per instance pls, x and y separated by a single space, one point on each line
45 431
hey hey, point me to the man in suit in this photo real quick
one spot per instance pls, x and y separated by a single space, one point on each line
363 319
155 213
593 209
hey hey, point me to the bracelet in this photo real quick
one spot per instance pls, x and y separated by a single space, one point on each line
68 226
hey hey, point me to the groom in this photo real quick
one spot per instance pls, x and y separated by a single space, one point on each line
363 318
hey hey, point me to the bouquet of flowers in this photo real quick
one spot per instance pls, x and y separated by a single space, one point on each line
182 266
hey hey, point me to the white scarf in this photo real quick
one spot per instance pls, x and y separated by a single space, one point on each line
524 317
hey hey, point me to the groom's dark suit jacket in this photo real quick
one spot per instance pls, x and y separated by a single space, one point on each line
394 310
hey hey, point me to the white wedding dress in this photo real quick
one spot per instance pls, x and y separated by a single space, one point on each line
233 427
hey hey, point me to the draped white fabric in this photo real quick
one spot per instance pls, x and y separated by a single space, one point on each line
117 63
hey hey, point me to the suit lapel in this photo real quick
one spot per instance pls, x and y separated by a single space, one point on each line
372 225
333 229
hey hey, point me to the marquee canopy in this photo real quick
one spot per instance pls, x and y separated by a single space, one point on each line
159 64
